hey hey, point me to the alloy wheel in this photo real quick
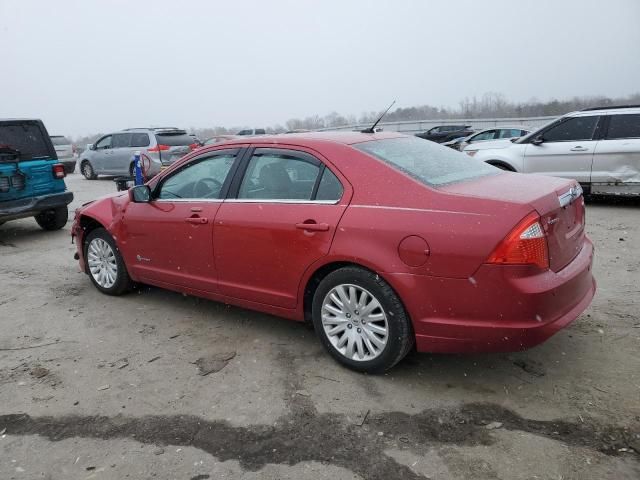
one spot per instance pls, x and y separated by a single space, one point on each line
355 322
102 263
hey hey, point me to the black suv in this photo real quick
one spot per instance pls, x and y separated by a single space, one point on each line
445 133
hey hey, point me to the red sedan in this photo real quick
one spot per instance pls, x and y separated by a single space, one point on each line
382 241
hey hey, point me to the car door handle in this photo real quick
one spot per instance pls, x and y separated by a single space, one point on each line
196 220
313 227
579 149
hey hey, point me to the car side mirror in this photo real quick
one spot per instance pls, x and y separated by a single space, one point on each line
91 146
538 140
140 194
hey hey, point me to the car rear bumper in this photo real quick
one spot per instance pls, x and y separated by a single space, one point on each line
499 309
30 206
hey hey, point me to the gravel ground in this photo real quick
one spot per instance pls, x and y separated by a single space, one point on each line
109 388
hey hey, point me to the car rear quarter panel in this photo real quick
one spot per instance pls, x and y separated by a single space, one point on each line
387 206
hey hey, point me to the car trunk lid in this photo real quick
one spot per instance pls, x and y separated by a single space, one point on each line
173 145
559 202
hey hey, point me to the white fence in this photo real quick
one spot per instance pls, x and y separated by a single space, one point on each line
476 124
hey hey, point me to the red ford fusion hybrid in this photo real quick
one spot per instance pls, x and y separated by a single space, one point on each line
384 242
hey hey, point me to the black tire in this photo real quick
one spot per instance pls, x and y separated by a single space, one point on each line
87 170
400 338
53 219
70 168
123 282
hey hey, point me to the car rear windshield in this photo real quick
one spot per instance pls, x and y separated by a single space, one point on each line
60 141
427 162
25 137
174 139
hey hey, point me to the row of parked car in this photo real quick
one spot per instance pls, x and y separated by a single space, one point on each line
283 224
599 147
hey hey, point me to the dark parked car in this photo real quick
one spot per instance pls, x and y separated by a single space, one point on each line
382 241
31 177
445 133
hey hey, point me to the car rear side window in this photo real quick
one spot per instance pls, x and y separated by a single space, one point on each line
624 126
572 129
330 187
427 162
121 140
140 140
273 176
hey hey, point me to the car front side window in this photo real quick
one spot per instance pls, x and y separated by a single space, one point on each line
573 129
200 179
104 143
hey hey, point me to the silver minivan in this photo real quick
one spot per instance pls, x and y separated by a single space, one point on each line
113 154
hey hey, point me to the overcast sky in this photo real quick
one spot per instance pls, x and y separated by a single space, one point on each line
94 66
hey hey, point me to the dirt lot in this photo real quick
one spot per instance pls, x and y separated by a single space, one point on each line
109 388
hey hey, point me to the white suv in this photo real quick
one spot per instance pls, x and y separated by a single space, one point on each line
599 147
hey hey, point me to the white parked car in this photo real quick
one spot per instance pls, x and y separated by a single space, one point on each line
478 140
599 147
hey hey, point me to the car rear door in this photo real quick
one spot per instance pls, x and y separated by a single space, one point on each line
170 239
283 212
567 149
616 161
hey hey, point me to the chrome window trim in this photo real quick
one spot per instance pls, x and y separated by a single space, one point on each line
257 200
245 200
191 200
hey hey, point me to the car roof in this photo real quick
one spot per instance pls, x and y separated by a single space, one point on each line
309 138
612 110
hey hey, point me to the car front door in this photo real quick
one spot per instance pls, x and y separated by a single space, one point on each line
617 156
566 150
169 241
282 218
101 154
120 159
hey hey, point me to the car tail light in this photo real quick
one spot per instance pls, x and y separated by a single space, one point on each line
58 171
193 146
158 148
526 244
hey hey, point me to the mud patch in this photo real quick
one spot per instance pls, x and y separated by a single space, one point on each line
330 438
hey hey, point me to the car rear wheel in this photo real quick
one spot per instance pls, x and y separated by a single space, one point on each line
361 321
87 170
53 219
105 264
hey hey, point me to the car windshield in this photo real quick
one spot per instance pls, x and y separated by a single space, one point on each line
25 137
60 141
427 162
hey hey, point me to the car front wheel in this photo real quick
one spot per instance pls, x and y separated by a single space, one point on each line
361 321
87 170
105 263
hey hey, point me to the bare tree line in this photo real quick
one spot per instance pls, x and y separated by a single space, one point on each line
490 105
